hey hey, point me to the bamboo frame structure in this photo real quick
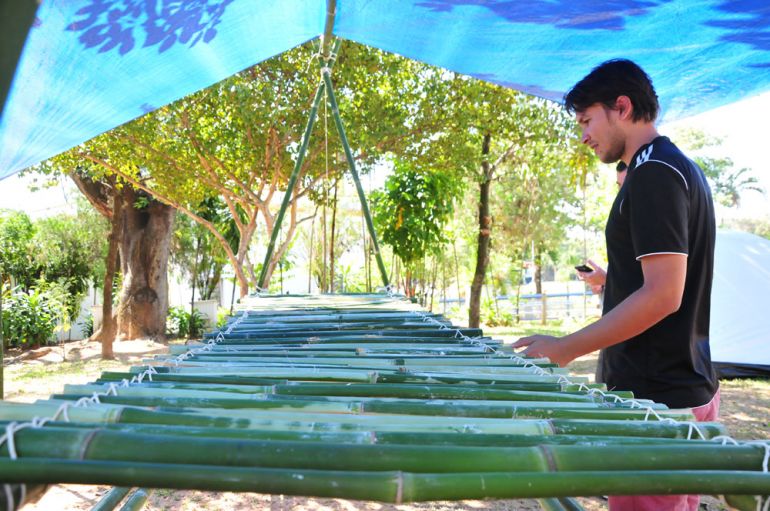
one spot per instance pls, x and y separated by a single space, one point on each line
329 54
284 399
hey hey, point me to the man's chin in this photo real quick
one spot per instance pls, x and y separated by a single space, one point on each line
607 159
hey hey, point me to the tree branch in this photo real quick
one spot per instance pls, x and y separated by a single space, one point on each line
95 191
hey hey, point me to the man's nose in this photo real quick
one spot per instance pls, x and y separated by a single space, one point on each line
585 137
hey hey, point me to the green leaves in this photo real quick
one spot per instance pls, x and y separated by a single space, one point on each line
410 214
16 232
728 184
54 256
29 318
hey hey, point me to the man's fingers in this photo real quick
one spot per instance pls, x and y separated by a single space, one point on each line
523 342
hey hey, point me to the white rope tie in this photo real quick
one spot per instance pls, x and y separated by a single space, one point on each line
766 446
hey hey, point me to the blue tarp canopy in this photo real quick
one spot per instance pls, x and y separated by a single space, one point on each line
90 65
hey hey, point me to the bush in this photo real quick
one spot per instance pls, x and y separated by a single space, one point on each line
492 315
222 315
29 318
88 326
180 323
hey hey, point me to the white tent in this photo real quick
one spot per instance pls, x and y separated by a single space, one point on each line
740 305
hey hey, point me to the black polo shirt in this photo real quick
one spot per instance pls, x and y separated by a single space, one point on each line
663 207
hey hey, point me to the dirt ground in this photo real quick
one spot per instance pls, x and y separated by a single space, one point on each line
746 413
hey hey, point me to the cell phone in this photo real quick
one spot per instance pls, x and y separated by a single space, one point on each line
582 268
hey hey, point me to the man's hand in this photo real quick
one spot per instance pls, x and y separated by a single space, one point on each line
545 346
596 279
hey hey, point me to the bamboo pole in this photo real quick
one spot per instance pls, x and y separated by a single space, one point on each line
392 486
326 74
137 500
100 444
381 437
328 62
111 499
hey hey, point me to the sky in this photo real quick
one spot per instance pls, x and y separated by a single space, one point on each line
739 125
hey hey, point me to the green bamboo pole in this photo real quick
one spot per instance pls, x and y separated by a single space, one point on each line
16 20
295 173
137 500
393 486
100 444
326 73
363 393
240 380
378 437
111 499
146 396
331 13
379 391
560 504
314 422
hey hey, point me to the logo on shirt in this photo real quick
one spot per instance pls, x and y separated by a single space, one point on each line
644 156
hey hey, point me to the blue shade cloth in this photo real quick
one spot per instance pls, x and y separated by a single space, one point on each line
700 54
90 65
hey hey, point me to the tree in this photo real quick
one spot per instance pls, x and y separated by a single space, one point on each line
62 253
140 232
239 138
195 251
728 184
16 234
758 226
144 245
539 193
486 127
411 213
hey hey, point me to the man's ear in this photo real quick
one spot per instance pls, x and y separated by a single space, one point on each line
624 108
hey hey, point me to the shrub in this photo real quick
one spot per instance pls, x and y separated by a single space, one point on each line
181 323
88 326
492 315
222 315
29 318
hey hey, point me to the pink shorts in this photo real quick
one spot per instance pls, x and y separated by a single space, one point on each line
705 413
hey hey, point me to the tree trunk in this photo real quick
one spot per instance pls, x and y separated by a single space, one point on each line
538 271
109 327
409 289
485 226
109 203
433 283
144 260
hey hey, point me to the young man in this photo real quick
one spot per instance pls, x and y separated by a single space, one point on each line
654 331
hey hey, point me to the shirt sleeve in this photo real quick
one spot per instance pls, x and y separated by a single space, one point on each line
659 208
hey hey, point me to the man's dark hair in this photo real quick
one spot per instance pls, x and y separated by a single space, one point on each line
611 79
